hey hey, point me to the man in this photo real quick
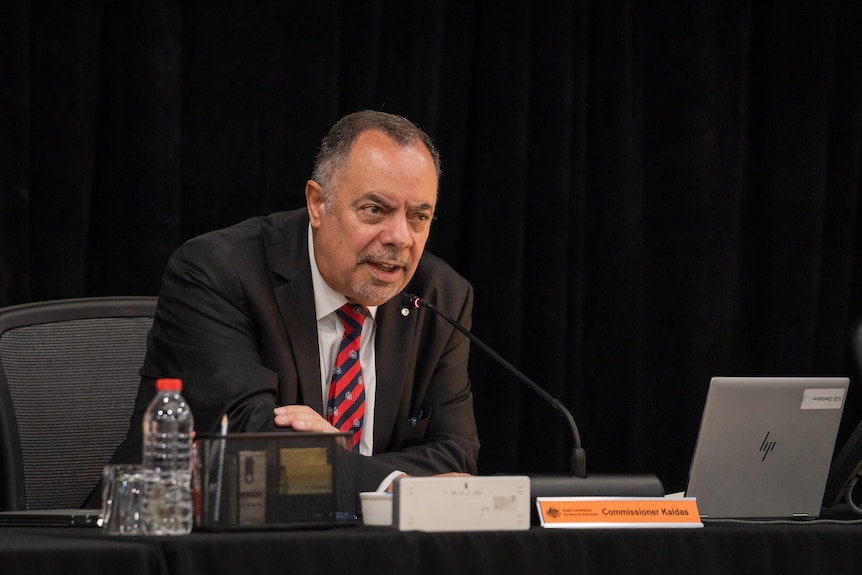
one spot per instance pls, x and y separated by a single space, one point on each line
247 315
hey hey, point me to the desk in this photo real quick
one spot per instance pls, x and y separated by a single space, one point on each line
720 547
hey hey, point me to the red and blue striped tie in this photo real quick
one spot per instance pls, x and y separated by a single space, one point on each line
345 408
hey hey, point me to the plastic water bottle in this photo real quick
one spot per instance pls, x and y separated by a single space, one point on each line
168 426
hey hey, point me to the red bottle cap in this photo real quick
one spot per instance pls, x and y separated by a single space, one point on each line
169 384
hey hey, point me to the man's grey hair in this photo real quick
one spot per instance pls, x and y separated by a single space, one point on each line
337 144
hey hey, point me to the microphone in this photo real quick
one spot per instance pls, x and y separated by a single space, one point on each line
579 458
577 482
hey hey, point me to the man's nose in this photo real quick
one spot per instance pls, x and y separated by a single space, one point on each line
397 233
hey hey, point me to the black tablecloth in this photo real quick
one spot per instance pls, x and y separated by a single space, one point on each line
38 551
831 547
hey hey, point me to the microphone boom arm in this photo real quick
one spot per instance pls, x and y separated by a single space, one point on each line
578 455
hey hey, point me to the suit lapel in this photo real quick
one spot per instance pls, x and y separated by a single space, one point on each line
287 252
392 348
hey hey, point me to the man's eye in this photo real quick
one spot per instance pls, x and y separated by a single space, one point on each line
421 216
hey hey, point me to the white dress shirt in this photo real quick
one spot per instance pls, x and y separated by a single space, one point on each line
329 332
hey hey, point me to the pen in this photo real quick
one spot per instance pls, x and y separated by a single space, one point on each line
220 471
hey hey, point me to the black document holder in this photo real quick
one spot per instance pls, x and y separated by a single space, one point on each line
280 480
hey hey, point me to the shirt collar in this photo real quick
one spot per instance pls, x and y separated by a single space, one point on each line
326 299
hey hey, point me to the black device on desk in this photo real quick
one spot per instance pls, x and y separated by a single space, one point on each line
845 472
52 518
273 480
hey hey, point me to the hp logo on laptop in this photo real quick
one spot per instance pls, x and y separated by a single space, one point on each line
766 446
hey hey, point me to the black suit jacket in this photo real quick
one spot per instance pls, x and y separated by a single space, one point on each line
236 322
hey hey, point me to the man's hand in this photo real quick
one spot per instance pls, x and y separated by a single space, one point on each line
301 418
450 474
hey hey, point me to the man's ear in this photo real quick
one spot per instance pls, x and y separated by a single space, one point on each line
314 201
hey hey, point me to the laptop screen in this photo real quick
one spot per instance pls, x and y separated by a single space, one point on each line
765 445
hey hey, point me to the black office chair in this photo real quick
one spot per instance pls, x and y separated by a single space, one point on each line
68 381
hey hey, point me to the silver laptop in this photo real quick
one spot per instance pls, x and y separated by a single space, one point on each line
765 446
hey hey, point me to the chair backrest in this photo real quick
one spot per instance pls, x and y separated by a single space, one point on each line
69 374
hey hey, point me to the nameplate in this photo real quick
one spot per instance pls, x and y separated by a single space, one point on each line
617 512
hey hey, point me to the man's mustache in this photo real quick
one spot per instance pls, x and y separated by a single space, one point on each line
391 258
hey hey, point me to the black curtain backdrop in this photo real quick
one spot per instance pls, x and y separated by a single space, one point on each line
643 194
